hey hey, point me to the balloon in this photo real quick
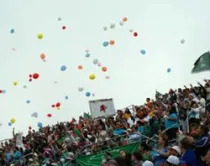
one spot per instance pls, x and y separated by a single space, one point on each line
92 76
64 27
99 64
105 43
63 68
58 108
107 77
39 125
95 61
12 121
182 41
35 75
35 115
28 101
168 70
1 124
66 97
58 104
80 67
3 91
105 28
111 42
104 69
143 52
125 19
12 31
121 23
87 94
49 115
42 56
15 83
24 86
93 94
40 36
112 26
53 105
131 30
135 34
59 18
87 55
9 124
29 127
80 89
30 79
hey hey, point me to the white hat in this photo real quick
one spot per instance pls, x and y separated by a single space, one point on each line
147 163
177 149
173 160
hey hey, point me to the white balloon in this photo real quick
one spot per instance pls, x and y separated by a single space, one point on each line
182 41
131 30
112 26
80 89
35 115
95 61
59 18
121 23
105 28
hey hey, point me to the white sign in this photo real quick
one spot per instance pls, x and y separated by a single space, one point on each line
103 107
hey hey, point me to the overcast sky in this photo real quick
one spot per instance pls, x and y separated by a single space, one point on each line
133 76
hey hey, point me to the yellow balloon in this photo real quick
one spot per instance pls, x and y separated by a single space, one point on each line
58 108
92 76
15 83
40 36
12 120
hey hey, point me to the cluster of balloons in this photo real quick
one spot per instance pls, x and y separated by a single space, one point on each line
112 25
3 91
34 115
57 105
33 76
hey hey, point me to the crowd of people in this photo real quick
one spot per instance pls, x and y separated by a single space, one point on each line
177 123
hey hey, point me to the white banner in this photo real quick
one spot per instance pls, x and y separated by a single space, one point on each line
102 107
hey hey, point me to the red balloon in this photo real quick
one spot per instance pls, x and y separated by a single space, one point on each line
53 105
29 127
64 27
49 115
30 75
58 104
0 91
135 34
35 75
30 79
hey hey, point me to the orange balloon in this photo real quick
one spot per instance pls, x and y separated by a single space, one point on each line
42 56
80 67
125 19
104 69
111 42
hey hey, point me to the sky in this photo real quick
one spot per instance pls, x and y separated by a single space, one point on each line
160 25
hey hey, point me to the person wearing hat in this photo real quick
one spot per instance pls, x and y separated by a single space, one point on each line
147 163
171 161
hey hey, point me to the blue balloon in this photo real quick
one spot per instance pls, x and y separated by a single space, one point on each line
87 94
12 31
63 68
87 55
168 70
39 125
143 52
28 101
66 97
105 43
4 91
9 124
